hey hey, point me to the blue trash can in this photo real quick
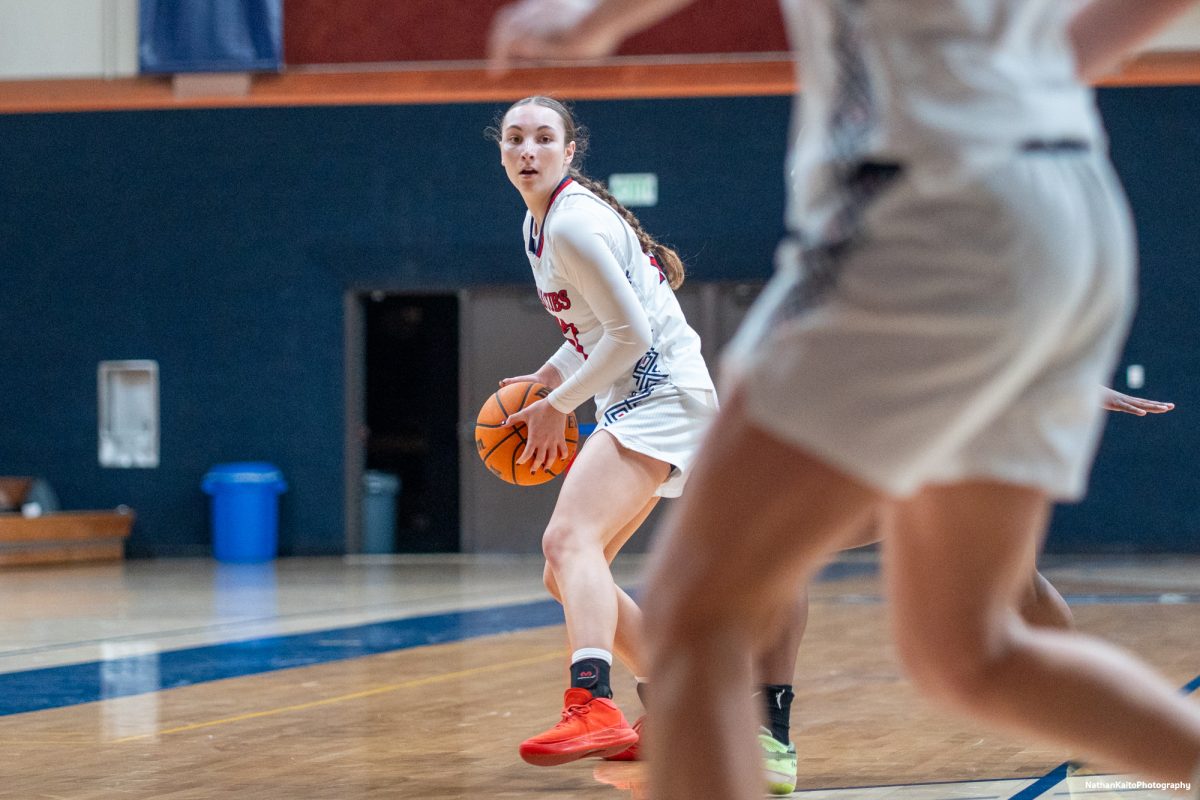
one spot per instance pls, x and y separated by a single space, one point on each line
245 511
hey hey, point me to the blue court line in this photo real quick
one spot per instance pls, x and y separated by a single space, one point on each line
72 684
1043 784
55 687
1059 773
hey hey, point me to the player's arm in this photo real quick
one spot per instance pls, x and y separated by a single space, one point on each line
562 29
1103 32
586 259
1115 401
565 361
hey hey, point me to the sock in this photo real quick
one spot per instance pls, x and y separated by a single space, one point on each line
643 688
778 700
590 668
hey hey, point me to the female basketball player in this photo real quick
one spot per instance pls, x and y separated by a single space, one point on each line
966 285
610 287
1039 603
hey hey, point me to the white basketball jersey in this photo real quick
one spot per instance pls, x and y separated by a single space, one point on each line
674 356
932 81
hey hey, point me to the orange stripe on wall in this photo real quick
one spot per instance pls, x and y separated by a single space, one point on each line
410 86
313 88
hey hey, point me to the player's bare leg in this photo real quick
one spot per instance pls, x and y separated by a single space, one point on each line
627 642
955 568
1042 606
775 669
607 487
707 601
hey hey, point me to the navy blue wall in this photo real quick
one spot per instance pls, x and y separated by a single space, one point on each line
220 242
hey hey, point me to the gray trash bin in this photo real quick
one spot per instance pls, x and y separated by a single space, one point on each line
379 511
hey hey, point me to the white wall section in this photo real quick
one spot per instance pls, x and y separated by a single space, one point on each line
68 38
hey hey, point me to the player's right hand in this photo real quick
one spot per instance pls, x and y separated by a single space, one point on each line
544 30
546 376
545 429
1138 406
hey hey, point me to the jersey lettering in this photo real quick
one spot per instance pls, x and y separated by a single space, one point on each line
555 301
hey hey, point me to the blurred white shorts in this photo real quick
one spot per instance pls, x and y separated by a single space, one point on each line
963 332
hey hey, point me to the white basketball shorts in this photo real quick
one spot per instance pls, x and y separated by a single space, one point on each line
962 332
666 423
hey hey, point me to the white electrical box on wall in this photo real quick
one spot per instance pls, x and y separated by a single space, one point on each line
128 413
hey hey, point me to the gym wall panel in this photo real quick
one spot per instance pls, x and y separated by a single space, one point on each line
360 31
220 243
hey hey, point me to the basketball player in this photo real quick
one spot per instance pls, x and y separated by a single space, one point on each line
1039 604
956 287
609 286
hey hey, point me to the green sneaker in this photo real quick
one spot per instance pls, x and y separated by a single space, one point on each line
779 763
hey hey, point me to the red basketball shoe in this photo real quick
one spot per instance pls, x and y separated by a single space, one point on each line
634 751
590 726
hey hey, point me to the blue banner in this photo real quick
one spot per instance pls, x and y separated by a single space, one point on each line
210 35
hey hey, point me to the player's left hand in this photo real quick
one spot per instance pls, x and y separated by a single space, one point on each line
546 30
545 435
1115 401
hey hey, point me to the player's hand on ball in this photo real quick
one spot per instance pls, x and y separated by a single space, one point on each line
500 444
546 376
546 441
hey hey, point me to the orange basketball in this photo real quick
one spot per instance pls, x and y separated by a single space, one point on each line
500 445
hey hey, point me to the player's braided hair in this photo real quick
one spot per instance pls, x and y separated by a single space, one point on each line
667 258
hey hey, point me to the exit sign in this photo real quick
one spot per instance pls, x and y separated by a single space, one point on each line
634 188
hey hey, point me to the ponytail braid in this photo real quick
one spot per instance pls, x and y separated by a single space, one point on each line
666 257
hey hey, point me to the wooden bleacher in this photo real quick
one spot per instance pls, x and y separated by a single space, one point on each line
61 537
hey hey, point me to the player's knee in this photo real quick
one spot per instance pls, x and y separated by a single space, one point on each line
1042 606
963 672
563 541
557 545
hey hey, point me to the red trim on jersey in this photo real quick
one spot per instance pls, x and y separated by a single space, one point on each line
662 276
541 239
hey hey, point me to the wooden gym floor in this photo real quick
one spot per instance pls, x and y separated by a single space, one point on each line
416 677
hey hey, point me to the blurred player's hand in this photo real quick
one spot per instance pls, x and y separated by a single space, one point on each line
1115 401
546 30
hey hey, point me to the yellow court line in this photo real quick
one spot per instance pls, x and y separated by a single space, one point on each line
341 698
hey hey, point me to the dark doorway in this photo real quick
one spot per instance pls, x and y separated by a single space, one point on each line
412 413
